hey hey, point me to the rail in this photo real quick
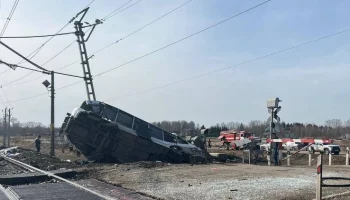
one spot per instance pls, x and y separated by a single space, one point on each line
29 167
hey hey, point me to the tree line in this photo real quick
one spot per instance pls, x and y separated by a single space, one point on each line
24 128
333 128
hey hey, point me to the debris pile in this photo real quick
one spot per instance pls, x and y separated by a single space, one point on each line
41 161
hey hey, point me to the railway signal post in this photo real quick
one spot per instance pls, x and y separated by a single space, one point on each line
273 109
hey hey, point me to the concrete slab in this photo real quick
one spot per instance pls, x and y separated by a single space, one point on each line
54 191
111 190
25 178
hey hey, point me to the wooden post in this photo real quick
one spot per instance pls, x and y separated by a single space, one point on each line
309 159
279 156
347 156
288 155
249 155
243 156
330 159
268 156
319 178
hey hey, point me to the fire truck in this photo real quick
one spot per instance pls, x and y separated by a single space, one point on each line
235 139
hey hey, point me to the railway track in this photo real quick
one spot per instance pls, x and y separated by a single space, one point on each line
64 189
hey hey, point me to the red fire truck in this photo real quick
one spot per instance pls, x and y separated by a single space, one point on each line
235 139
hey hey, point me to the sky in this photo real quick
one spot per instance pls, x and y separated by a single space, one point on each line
310 80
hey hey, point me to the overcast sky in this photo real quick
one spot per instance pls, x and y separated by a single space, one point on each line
312 81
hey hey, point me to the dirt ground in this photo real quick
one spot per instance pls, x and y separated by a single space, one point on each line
221 181
231 180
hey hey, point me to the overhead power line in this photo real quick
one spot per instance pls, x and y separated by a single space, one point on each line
184 38
36 36
13 83
27 98
6 97
214 71
180 40
2 101
134 32
4 71
116 13
103 19
137 30
35 52
90 3
9 18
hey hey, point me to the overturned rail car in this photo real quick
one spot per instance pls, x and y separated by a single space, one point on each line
104 133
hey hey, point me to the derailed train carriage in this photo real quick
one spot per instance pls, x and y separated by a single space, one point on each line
107 134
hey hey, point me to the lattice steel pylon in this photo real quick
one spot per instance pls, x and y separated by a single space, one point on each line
83 53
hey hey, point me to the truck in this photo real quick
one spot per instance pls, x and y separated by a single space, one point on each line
236 139
325 148
103 133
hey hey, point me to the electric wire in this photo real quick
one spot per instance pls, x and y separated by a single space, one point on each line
89 4
138 30
35 52
2 101
123 10
184 38
236 65
200 75
103 19
6 97
36 36
4 71
12 83
9 18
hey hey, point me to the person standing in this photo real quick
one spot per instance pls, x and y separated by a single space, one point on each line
37 144
209 144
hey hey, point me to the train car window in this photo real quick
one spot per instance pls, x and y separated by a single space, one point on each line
141 128
168 137
124 118
156 132
109 112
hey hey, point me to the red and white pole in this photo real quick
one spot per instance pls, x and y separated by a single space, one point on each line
319 178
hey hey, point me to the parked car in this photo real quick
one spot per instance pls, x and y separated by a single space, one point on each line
292 146
325 148
265 146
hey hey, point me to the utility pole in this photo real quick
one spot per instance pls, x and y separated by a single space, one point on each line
46 84
8 130
52 125
83 53
5 127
